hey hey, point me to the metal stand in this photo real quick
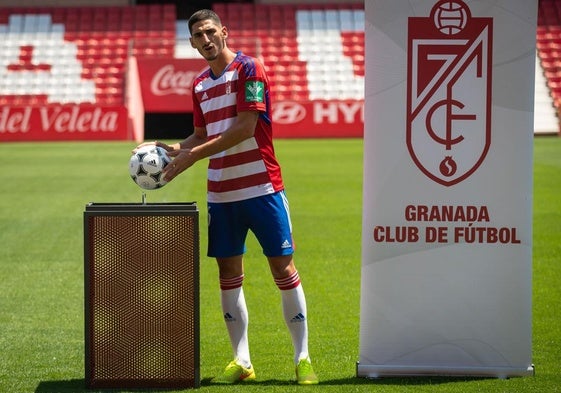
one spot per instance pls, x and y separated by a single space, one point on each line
141 295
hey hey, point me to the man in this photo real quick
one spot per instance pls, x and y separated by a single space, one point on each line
232 119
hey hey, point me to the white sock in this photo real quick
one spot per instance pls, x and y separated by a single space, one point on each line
295 314
236 317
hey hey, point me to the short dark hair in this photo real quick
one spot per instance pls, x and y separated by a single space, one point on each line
204 15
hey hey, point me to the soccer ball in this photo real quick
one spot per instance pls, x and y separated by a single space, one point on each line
146 165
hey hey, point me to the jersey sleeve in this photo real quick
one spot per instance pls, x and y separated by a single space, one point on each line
253 86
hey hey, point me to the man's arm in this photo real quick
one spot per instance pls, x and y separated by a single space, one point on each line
198 137
242 129
193 148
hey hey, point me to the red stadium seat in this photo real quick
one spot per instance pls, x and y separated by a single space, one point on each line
102 36
548 43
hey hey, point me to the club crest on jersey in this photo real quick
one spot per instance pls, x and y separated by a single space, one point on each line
254 91
449 70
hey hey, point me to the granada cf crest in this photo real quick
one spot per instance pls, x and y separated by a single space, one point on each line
449 69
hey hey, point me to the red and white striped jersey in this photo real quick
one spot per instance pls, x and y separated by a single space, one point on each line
249 169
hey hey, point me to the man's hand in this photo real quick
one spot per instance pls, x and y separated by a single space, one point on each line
182 159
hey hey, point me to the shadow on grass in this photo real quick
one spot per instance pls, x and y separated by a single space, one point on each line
69 386
78 385
354 381
399 381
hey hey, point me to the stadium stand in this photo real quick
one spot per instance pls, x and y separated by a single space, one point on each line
548 68
77 54
311 51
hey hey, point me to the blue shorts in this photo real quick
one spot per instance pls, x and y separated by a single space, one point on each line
267 217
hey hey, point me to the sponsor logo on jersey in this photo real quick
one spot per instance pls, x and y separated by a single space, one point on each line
254 91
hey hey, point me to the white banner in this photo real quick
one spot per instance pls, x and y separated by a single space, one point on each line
447 222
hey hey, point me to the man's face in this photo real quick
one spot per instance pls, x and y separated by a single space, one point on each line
208 38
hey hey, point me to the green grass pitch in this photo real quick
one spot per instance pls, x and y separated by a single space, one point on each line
45 187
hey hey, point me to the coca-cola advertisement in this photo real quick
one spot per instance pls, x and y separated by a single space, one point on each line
166 83
63 122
